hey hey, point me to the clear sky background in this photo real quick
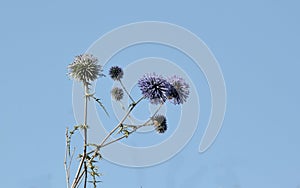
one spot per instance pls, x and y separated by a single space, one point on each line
255 42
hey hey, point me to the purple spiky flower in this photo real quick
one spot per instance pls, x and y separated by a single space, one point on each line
180 91
154 87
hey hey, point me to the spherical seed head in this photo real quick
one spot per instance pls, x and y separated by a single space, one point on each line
154 88
181 92
85 68
160 123
117 93
116 73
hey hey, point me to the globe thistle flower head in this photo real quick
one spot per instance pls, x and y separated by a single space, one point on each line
160 123
182 90
117 93
85 68
116 73
154 88
172 92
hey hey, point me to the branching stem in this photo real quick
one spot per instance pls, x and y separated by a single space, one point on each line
135 128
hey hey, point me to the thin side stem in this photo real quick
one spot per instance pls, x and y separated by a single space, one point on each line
79 178
126 91
116 127
156 111
132 106
134 126
76 179
70 160
134 129
85 174
122 121
123 108
113 141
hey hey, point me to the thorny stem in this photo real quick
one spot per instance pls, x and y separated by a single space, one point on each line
85 131
83 161
65 161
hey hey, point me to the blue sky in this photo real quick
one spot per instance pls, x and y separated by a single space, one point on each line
255 42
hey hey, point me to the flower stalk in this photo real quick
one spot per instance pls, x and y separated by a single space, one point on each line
85 126
86 90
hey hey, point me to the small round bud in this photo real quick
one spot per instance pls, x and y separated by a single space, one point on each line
116 73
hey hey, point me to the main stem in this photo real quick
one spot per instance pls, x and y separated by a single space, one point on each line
66 159
83 159
86 90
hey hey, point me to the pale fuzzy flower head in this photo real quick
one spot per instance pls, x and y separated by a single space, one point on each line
85 68
117 93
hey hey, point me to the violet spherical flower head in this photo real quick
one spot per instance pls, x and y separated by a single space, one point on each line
85 68
154 88
182 90
172 92
117 93
116 73
160 123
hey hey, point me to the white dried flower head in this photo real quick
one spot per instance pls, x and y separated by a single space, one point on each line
85 68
